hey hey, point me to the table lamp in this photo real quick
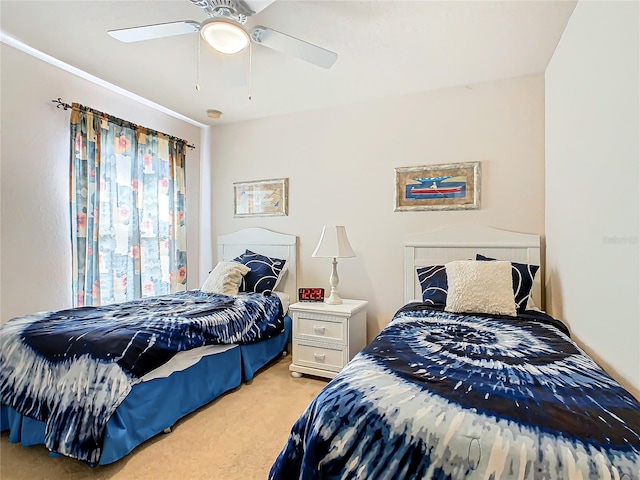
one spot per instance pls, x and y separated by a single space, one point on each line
334 243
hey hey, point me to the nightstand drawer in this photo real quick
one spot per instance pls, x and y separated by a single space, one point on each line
310 325
324 357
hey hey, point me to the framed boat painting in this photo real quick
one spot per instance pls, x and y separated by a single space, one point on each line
449 186
260 198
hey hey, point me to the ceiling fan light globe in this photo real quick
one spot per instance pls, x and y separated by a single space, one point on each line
224 36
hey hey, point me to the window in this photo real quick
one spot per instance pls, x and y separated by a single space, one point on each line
128 222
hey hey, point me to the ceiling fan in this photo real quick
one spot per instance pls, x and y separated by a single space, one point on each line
224 31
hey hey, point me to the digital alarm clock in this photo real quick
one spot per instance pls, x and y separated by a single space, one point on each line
312 294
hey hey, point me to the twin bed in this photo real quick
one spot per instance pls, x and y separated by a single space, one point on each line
471 381
157 398
463 383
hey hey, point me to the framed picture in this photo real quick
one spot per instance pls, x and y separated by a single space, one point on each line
260 197
449 186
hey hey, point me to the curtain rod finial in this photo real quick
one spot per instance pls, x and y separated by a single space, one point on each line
60 104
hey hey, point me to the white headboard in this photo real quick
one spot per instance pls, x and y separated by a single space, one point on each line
462 243
265 242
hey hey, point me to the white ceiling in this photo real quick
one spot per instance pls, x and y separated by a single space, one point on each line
385 48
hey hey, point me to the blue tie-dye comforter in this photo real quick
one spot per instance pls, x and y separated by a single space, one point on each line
72 368
447 396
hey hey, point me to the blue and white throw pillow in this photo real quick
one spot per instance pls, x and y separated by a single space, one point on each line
522 275
265 272
433 282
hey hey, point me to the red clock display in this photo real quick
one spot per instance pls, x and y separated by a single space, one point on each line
311 294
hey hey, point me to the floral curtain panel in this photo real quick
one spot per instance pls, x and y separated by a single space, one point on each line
127 210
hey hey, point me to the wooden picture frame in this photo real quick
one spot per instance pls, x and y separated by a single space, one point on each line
261 198
448 186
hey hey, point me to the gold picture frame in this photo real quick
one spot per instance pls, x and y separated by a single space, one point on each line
261 198
447 186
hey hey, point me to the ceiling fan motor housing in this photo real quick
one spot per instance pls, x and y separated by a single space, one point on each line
224 8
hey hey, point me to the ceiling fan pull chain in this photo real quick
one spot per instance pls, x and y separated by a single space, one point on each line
198 66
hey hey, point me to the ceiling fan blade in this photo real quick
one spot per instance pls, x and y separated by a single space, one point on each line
293 46
251 7
159 30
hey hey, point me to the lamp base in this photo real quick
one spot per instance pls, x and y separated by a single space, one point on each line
333 299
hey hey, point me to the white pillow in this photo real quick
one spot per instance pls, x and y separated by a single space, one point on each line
281 275
225 278
480 287
536 289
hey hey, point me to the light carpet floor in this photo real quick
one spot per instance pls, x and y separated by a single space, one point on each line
237 437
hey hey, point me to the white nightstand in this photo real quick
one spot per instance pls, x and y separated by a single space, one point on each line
326 337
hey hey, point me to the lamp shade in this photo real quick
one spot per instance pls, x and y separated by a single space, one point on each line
334 243
224 35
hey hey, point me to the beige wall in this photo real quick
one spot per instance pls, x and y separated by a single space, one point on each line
592 200
340 164
34 197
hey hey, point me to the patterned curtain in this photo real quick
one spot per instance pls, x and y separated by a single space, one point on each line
128 226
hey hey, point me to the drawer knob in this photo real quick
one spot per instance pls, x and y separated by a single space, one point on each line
319 357
318 330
